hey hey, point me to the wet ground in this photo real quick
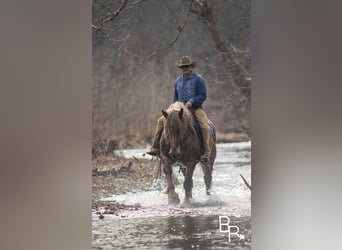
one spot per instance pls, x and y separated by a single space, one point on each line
140 218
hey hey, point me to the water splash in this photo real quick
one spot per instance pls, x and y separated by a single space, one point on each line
156 225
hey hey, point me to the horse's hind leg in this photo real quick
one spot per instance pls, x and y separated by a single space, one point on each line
207 171
173 198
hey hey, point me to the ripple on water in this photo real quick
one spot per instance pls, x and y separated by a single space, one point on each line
172 232
155 225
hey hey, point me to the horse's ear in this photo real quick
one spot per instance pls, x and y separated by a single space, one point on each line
181 113
164 113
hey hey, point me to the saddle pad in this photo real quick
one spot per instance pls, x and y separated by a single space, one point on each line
211 127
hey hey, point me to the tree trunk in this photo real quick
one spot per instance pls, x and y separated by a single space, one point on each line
237 72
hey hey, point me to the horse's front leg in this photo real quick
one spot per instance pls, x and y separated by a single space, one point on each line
188 183
173 198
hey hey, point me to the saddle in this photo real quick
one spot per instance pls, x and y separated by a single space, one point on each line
199 132
198 128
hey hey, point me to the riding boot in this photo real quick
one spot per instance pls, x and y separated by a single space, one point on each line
155 145
206 138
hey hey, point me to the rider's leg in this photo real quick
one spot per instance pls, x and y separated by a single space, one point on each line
158 132
203 123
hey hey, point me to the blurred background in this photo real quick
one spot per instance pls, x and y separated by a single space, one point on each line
46 108
136 45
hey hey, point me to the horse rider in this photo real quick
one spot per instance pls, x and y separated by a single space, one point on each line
191 91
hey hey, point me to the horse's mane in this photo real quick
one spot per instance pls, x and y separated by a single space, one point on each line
179 123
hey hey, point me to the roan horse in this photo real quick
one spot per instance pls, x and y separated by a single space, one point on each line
180 143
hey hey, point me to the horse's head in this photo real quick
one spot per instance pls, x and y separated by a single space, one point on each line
177 126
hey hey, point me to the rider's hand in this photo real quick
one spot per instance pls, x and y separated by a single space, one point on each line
188 105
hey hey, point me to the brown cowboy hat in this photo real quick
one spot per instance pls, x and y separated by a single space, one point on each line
185 60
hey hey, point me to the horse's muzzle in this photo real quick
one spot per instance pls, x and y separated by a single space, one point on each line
174 156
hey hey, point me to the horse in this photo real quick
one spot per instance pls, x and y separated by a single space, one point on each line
180 143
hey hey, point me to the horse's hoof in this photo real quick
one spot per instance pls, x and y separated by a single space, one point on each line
186 203
174 200
208 192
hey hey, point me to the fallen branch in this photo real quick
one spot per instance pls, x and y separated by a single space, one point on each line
135 158
246 182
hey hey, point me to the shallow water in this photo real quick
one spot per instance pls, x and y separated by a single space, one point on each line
155 225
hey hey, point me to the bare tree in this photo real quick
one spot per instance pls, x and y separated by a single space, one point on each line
135 43
114 27
114 18
205 9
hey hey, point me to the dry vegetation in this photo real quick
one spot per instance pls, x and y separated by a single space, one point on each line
113 174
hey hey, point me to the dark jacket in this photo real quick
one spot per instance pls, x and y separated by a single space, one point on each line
191 89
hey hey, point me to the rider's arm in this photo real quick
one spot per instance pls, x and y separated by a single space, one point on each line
175 94
201 96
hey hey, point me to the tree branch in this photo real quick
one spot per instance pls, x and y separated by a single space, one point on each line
172 13
246 182
111 17
240 76
180 30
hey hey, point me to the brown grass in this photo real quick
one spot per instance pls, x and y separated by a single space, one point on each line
232 137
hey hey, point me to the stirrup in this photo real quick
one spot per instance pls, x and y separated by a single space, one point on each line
153 152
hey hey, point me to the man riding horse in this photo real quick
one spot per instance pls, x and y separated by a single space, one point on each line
189 89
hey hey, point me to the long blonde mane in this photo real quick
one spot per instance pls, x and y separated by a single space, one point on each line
179 123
